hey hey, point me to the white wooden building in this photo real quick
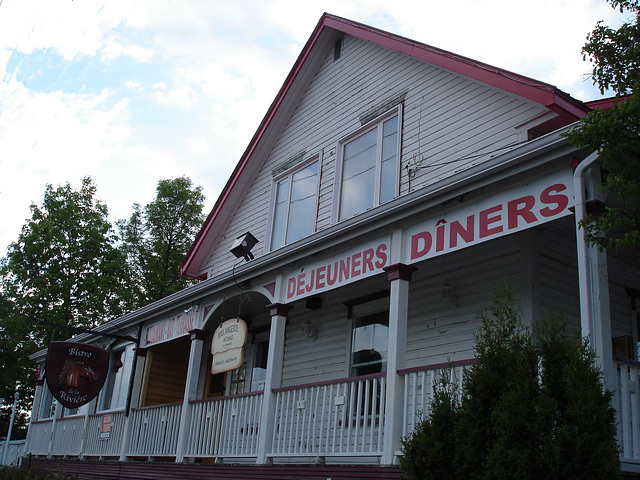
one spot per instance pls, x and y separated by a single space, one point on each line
392 187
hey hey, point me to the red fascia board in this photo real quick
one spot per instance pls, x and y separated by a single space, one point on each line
526 87
605 103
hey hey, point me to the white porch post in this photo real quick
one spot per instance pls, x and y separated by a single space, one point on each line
141 358
593 276
58 414
190 390
601 333
91 407
399 276
35 410
273 378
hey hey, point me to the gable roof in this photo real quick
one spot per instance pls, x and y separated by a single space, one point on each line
328 29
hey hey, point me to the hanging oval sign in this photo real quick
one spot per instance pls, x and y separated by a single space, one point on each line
75 372
228 345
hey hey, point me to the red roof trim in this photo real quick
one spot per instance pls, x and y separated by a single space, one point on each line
605 103
533 90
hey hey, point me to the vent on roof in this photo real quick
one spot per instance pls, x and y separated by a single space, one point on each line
337 49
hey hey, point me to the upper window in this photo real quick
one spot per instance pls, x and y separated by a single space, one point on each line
295 204
368 173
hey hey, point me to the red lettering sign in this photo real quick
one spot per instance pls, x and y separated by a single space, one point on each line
350 267
490 219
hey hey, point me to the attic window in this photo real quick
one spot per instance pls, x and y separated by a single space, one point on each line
337 49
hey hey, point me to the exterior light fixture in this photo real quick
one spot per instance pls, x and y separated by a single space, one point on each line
243 245
310 330
447 295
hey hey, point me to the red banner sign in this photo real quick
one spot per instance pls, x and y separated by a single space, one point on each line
76 372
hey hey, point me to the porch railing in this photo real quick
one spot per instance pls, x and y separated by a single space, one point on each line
343 417
15 451
105 434
67 437
335 418
420 385
154 431
225 427
39 438
627 400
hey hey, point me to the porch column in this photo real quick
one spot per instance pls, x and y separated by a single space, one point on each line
90 407
593 277
141 357
35 409
279 313
190 390
601 333
58 414
399 276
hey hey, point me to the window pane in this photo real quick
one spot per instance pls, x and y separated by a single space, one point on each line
389 161
369 344
279 215
304 190
358 175
117 385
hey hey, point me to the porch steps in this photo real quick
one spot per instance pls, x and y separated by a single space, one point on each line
105 470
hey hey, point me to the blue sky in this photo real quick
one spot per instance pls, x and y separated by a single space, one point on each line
130 92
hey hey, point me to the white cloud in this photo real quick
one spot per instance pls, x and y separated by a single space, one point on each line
199 146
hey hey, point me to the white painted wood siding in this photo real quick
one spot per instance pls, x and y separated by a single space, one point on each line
622 276
449 123
436 333
558 274
439 333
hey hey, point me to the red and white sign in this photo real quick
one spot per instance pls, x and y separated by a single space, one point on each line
168 329
349 266
520 207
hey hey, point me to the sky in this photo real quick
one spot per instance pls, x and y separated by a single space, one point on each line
130 92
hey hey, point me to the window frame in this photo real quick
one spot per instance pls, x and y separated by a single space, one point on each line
277 179
376 123
116 353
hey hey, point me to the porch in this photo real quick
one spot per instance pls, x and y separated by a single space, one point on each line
333 422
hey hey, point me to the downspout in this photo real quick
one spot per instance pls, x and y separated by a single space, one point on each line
584 275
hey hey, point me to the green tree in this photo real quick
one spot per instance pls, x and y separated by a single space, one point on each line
64 269
157 238
614 132
532 407
430 452
18 371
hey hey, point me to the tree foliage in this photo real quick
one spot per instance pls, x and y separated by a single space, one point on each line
64 269
615 132
531 407
157 238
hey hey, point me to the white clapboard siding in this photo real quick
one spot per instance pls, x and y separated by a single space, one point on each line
438 333
558 274
307 360
622 276
440 110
